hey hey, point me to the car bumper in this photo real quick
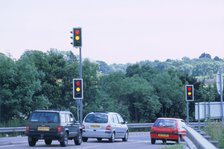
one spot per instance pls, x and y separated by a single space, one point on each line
173 137
96 134
45 135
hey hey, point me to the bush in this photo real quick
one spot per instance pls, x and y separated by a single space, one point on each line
13 123
216 131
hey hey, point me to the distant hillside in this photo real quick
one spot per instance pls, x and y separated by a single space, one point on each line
203 67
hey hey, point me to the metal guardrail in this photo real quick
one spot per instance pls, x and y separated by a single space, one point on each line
12 129
130 125
198 140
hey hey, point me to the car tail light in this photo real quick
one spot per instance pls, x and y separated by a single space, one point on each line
59 129
108 127
27 129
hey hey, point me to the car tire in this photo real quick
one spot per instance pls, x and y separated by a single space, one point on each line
125 137
111 140
64 141
32 141
153 141
84 139
48 141
78 139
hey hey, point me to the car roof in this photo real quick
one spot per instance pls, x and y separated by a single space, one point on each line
52 111
169 118
103 112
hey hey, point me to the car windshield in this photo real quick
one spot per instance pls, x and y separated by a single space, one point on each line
165 123
45 117
96 118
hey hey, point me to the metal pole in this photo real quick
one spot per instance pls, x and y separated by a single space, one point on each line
221 94
188 112
199 116
80 75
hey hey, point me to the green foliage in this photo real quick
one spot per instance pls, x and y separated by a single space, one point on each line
216 131
141 92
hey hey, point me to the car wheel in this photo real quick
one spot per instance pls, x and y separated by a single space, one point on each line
48 141
125 137
99 139
32 141
78 139
84 139
178 140
112 138
64 140
153 141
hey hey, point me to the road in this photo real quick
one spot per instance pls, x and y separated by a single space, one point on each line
136 140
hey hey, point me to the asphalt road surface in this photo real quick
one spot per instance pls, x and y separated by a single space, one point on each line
138 140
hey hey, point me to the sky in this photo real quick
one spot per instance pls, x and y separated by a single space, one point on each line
115 31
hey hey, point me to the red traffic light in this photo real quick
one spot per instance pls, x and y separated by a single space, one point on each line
77 32
189 88
78 83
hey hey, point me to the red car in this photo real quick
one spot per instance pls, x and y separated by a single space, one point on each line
168 129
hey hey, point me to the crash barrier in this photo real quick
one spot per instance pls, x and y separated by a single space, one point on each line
130 125
198 140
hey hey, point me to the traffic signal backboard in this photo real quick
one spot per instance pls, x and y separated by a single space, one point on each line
189 92
77 37
77 89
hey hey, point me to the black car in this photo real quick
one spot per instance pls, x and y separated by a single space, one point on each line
53 125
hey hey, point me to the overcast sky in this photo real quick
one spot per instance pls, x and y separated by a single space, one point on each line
115 31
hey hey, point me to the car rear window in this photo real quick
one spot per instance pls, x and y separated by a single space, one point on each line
165 123
96 118
45 117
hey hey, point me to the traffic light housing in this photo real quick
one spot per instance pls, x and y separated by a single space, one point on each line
77 37
77 89
189 92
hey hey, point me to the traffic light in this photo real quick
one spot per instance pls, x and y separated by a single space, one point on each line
189 92
77 37
77 89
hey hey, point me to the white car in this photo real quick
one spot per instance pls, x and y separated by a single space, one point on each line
104 125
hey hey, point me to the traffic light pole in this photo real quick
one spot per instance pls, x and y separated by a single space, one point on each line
187 112
80 75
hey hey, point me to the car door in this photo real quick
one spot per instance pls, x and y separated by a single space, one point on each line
122 125
73 127
116 125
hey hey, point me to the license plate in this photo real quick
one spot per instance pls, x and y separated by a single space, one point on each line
43 128
163 135
95 126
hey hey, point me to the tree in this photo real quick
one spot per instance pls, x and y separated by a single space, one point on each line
205 55
8 105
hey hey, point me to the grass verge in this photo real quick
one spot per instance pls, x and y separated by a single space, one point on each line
216 131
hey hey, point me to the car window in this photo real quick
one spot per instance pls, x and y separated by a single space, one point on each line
45 117
71 118
63 118
96 118
115 119
120 119
165 123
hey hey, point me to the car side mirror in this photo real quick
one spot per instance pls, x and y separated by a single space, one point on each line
124 122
